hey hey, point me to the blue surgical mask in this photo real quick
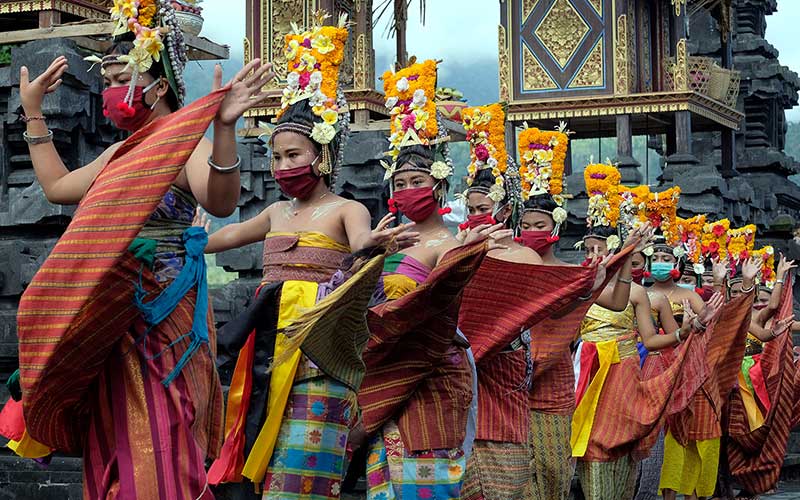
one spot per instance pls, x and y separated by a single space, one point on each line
661 271
687 286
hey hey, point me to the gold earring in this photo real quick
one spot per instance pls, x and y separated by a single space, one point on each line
325 163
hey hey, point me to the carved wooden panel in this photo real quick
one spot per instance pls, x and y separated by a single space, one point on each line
558 48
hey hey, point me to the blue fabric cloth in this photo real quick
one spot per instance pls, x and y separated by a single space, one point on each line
643 352
192 275
472 416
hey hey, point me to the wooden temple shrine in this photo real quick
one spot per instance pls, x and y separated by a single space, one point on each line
619 68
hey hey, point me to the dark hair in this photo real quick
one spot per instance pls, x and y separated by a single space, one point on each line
600 232
420 157
123 44
541 202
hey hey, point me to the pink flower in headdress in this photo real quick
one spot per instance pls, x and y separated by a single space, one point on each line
305 77
306 43
482 152
598 175
408 121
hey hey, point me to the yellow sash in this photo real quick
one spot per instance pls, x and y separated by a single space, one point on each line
296 296
754 416
27 447
583 418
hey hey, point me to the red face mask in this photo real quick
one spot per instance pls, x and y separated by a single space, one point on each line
124 117
298 182
416 203
474 221
638 275
705 293
538 241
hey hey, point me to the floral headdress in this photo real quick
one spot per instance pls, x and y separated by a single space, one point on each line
766 256
602 188
741 242
715 239
485 127
662 212
690 234
313 59
542 156
158 38
410 98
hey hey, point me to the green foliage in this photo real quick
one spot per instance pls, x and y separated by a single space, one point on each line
217 276
5 55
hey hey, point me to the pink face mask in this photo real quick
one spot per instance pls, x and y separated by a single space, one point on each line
124 117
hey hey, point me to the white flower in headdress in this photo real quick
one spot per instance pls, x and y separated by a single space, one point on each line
323 133
612 242
317 99
419 98
402 84
496 193
389 170
293 80
699 268
315 79
558 199
391 102
491 163
440 170
559 215
648 251
679 252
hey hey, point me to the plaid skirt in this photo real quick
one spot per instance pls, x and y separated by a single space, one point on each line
308 461
396 474
496 471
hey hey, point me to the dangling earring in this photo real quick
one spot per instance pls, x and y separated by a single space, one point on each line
325 163
153 106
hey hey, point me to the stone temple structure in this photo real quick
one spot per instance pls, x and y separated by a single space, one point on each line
726 155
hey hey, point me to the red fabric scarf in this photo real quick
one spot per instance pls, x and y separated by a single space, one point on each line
66 334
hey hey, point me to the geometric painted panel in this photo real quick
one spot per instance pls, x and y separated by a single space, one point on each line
561 31
591 73
562 46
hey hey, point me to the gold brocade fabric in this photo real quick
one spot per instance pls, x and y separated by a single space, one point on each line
753 346
601 324
397 285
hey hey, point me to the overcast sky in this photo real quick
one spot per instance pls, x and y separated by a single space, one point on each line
466 39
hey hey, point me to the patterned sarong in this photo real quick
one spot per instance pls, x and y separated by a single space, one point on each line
496 471
605 480
396 473
309 452
551 462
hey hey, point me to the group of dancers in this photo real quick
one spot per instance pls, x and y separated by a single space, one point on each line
474 365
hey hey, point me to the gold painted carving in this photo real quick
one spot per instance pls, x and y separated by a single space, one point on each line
247 50
360 63
561 31
503 66
527 8
101 11
598 6
591 73
621 56
681 66
534 77
277 17
678 4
